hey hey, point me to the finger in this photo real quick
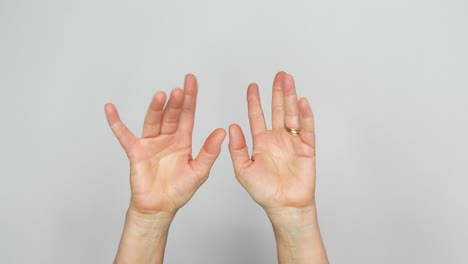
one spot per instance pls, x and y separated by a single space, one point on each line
238 148
188 109
307 123
152 123
256 118
172 111
209 152
277 102
121 132
291 105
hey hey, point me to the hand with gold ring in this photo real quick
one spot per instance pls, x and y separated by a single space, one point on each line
280 173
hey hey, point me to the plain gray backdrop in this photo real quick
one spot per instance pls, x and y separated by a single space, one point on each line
387 81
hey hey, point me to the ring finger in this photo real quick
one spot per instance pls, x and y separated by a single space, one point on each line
291 105
171 114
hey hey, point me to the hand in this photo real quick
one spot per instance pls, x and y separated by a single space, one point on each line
281 171
280 175
163 175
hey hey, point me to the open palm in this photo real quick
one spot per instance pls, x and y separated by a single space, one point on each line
281 170
163 175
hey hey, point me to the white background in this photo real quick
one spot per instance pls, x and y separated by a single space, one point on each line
387 81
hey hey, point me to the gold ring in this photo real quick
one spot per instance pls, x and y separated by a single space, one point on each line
293 131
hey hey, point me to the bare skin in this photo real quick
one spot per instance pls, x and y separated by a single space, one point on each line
163 175
280 174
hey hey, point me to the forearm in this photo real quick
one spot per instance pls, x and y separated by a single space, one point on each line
297 236
144 238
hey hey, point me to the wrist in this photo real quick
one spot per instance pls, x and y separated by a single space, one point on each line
297 234
144 237
149 222
292 217
295 225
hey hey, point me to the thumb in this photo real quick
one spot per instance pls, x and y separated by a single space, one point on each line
209 152
238 148
121 132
